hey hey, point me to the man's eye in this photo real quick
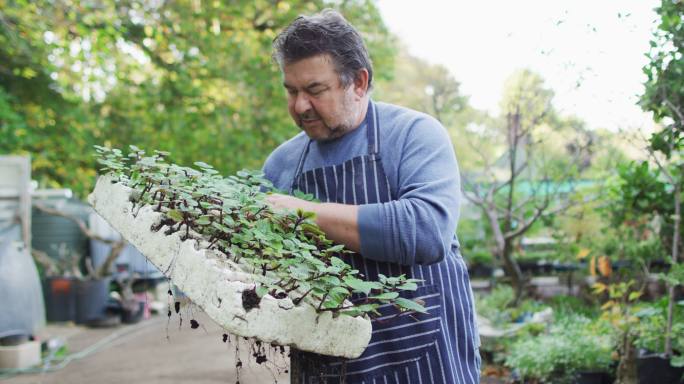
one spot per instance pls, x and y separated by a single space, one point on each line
291 92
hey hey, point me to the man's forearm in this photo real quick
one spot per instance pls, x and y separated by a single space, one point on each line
338 221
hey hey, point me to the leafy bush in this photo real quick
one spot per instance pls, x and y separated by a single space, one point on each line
651 326
497 305
494 305
573 344
480 256
564 305
538 255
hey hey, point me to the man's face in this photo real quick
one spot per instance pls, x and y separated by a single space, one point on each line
317 101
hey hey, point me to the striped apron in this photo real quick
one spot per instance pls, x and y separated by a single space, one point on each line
440 347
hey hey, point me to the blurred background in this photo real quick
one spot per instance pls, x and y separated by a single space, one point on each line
566 118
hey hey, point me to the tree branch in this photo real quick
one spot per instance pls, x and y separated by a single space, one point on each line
116 245
81 225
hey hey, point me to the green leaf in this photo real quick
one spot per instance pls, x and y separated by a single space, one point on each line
409 305
677 361
330 280
340 293
203 165
261 290
332 302
312 228
386 296
408 286
203 220
336 248
175 215
358 285
300 271
222 228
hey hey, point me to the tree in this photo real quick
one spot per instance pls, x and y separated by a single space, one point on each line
532 178
664 96
432 88
185 76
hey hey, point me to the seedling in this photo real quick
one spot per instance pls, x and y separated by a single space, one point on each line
287 252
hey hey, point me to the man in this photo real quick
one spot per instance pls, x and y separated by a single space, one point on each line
388 183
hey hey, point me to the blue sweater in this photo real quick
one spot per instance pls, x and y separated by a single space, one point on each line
418 158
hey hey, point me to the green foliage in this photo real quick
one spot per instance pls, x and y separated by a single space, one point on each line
565 306
193 77
436 92
572 344
664 96
493 305
525 93
640 205
675 275
480 256
652 322
286 252
639 190
664 88
497 306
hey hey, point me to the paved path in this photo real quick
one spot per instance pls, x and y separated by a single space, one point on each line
141 353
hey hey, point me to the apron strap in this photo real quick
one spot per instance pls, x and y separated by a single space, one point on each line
372 131
300 165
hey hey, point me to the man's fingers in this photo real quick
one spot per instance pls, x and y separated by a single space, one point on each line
279 202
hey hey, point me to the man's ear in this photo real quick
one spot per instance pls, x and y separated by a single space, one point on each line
361 83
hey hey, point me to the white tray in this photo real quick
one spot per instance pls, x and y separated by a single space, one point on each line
216 284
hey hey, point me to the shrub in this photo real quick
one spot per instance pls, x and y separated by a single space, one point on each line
573 344
650 335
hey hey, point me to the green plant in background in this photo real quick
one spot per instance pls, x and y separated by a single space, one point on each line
618 311
480 256
564 305
498 306
494 305
286 251
664 97
649 330
573 344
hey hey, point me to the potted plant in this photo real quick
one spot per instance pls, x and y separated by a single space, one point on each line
75 290
653 366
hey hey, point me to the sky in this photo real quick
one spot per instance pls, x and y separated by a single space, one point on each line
590 52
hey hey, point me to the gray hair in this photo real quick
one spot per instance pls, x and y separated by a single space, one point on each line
324 33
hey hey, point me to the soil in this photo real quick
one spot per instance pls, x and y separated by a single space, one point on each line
250 299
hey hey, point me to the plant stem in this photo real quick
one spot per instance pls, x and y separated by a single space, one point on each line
320 305
298 299
675 257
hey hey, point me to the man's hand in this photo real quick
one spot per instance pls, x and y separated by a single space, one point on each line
338 221
280 202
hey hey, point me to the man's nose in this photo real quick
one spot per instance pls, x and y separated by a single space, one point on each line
302 103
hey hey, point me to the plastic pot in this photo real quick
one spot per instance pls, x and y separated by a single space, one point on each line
60 298
656 369
91 300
